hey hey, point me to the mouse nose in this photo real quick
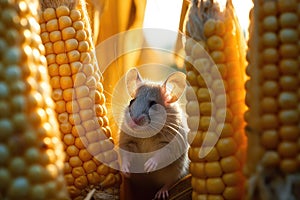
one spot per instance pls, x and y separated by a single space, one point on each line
139 120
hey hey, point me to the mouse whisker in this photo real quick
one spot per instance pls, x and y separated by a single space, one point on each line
175 124
172 115
177 146
157 122
153 127
179 134
174 131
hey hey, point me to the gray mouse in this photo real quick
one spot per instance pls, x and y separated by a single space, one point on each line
153 136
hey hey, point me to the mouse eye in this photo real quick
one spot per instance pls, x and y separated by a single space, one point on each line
151 103
131 101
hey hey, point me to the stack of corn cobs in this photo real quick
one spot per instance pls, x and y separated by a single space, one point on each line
55 140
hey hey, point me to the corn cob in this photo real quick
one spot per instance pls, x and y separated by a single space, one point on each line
31 152
80 102
273 100
215 64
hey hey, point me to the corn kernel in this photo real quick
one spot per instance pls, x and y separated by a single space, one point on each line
52 25
66 82
230 164
55 36
271 159
288 117
73 56
75 15
215 43
232 179
232 192
81 142
61 59
68 33
62 11
71 44
270 23
270 139
215 185
89 166
199 185
288 149
288 165
84 155
75 161
209 27
288 82
58 47
288 35
289 132
288 19
78 25
53 69
64 22
226 146
213 169
80 35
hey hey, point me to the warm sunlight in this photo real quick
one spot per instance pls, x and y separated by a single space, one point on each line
165 14
242 9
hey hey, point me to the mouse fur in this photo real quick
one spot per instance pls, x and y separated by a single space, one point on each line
145 132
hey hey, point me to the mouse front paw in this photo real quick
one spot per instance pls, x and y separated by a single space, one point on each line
162 194
125 168
151 165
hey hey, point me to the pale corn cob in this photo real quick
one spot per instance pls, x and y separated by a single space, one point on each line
31 152
80 102
273 160
219 174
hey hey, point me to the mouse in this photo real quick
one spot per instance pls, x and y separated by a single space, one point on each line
153 135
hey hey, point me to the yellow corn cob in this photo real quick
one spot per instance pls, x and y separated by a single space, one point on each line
273 161
218 175
31 152
80 102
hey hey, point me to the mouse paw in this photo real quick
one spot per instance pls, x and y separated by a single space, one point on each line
162 194
150 165
125 169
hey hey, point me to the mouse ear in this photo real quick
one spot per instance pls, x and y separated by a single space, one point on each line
174 86
133 80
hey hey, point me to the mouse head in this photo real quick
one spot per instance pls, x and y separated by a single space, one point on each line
150 99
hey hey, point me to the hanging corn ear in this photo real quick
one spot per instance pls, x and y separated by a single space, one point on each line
31 152
215 66
273 161
80 102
